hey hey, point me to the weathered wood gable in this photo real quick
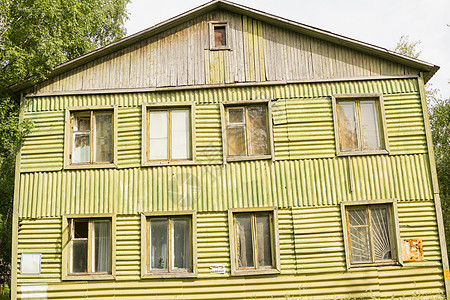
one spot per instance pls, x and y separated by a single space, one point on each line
260 52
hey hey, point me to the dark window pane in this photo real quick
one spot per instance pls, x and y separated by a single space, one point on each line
357 216
380 227
79 256
236 115
181 243
103 137
236 141
158 243
347 126
264 244
102 241
81 229
82 122
244 240
259 141
220 38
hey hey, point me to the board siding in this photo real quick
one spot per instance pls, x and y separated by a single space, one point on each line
259 52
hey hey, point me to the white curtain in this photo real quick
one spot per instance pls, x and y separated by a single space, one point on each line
102 246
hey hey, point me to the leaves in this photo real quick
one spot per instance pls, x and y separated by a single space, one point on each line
36 36
408 48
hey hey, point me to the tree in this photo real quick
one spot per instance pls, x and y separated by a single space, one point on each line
35 36
439 110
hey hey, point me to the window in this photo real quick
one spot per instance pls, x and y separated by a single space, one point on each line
90 137
371 233
168 134
168 248
254 241
88 247
359 124
219 37
247 131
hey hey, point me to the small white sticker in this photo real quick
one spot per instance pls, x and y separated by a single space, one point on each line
217 269
30 264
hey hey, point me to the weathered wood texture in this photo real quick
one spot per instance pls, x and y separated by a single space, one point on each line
259 52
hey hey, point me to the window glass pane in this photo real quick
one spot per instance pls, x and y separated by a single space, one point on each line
236 115
236 140
81 229
181 243
181 136
103 137
82 122
369 125
357 216
158 243
220 38
259 142
79 256
360 245
102 242
264 244
244 240
347 126
381 228
81 152
158 135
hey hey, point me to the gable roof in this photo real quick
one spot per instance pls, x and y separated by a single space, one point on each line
428 68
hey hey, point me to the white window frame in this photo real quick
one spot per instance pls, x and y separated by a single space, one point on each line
146 272
145 161
66 247
275 242
224 120
212 26
68 147
394 230
381 123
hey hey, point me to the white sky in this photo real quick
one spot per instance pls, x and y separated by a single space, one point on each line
380 22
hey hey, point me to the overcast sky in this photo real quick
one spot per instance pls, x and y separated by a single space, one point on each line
380 22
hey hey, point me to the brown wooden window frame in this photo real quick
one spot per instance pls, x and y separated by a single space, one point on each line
393 231
67 229
224 107
145 140
169 272
381 119
212 27
275 244
68 140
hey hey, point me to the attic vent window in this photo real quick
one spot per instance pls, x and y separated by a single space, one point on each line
219 36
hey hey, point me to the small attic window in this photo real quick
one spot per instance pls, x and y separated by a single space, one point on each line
219 37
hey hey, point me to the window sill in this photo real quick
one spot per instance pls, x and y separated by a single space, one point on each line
392 265
244 158
168 163
90 166
89 277
169 275
364 152
255 272
220 48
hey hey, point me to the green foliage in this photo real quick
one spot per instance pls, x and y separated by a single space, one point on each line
36 36
406 47
439 110
440 129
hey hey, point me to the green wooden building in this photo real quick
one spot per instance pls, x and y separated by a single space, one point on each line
229 154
